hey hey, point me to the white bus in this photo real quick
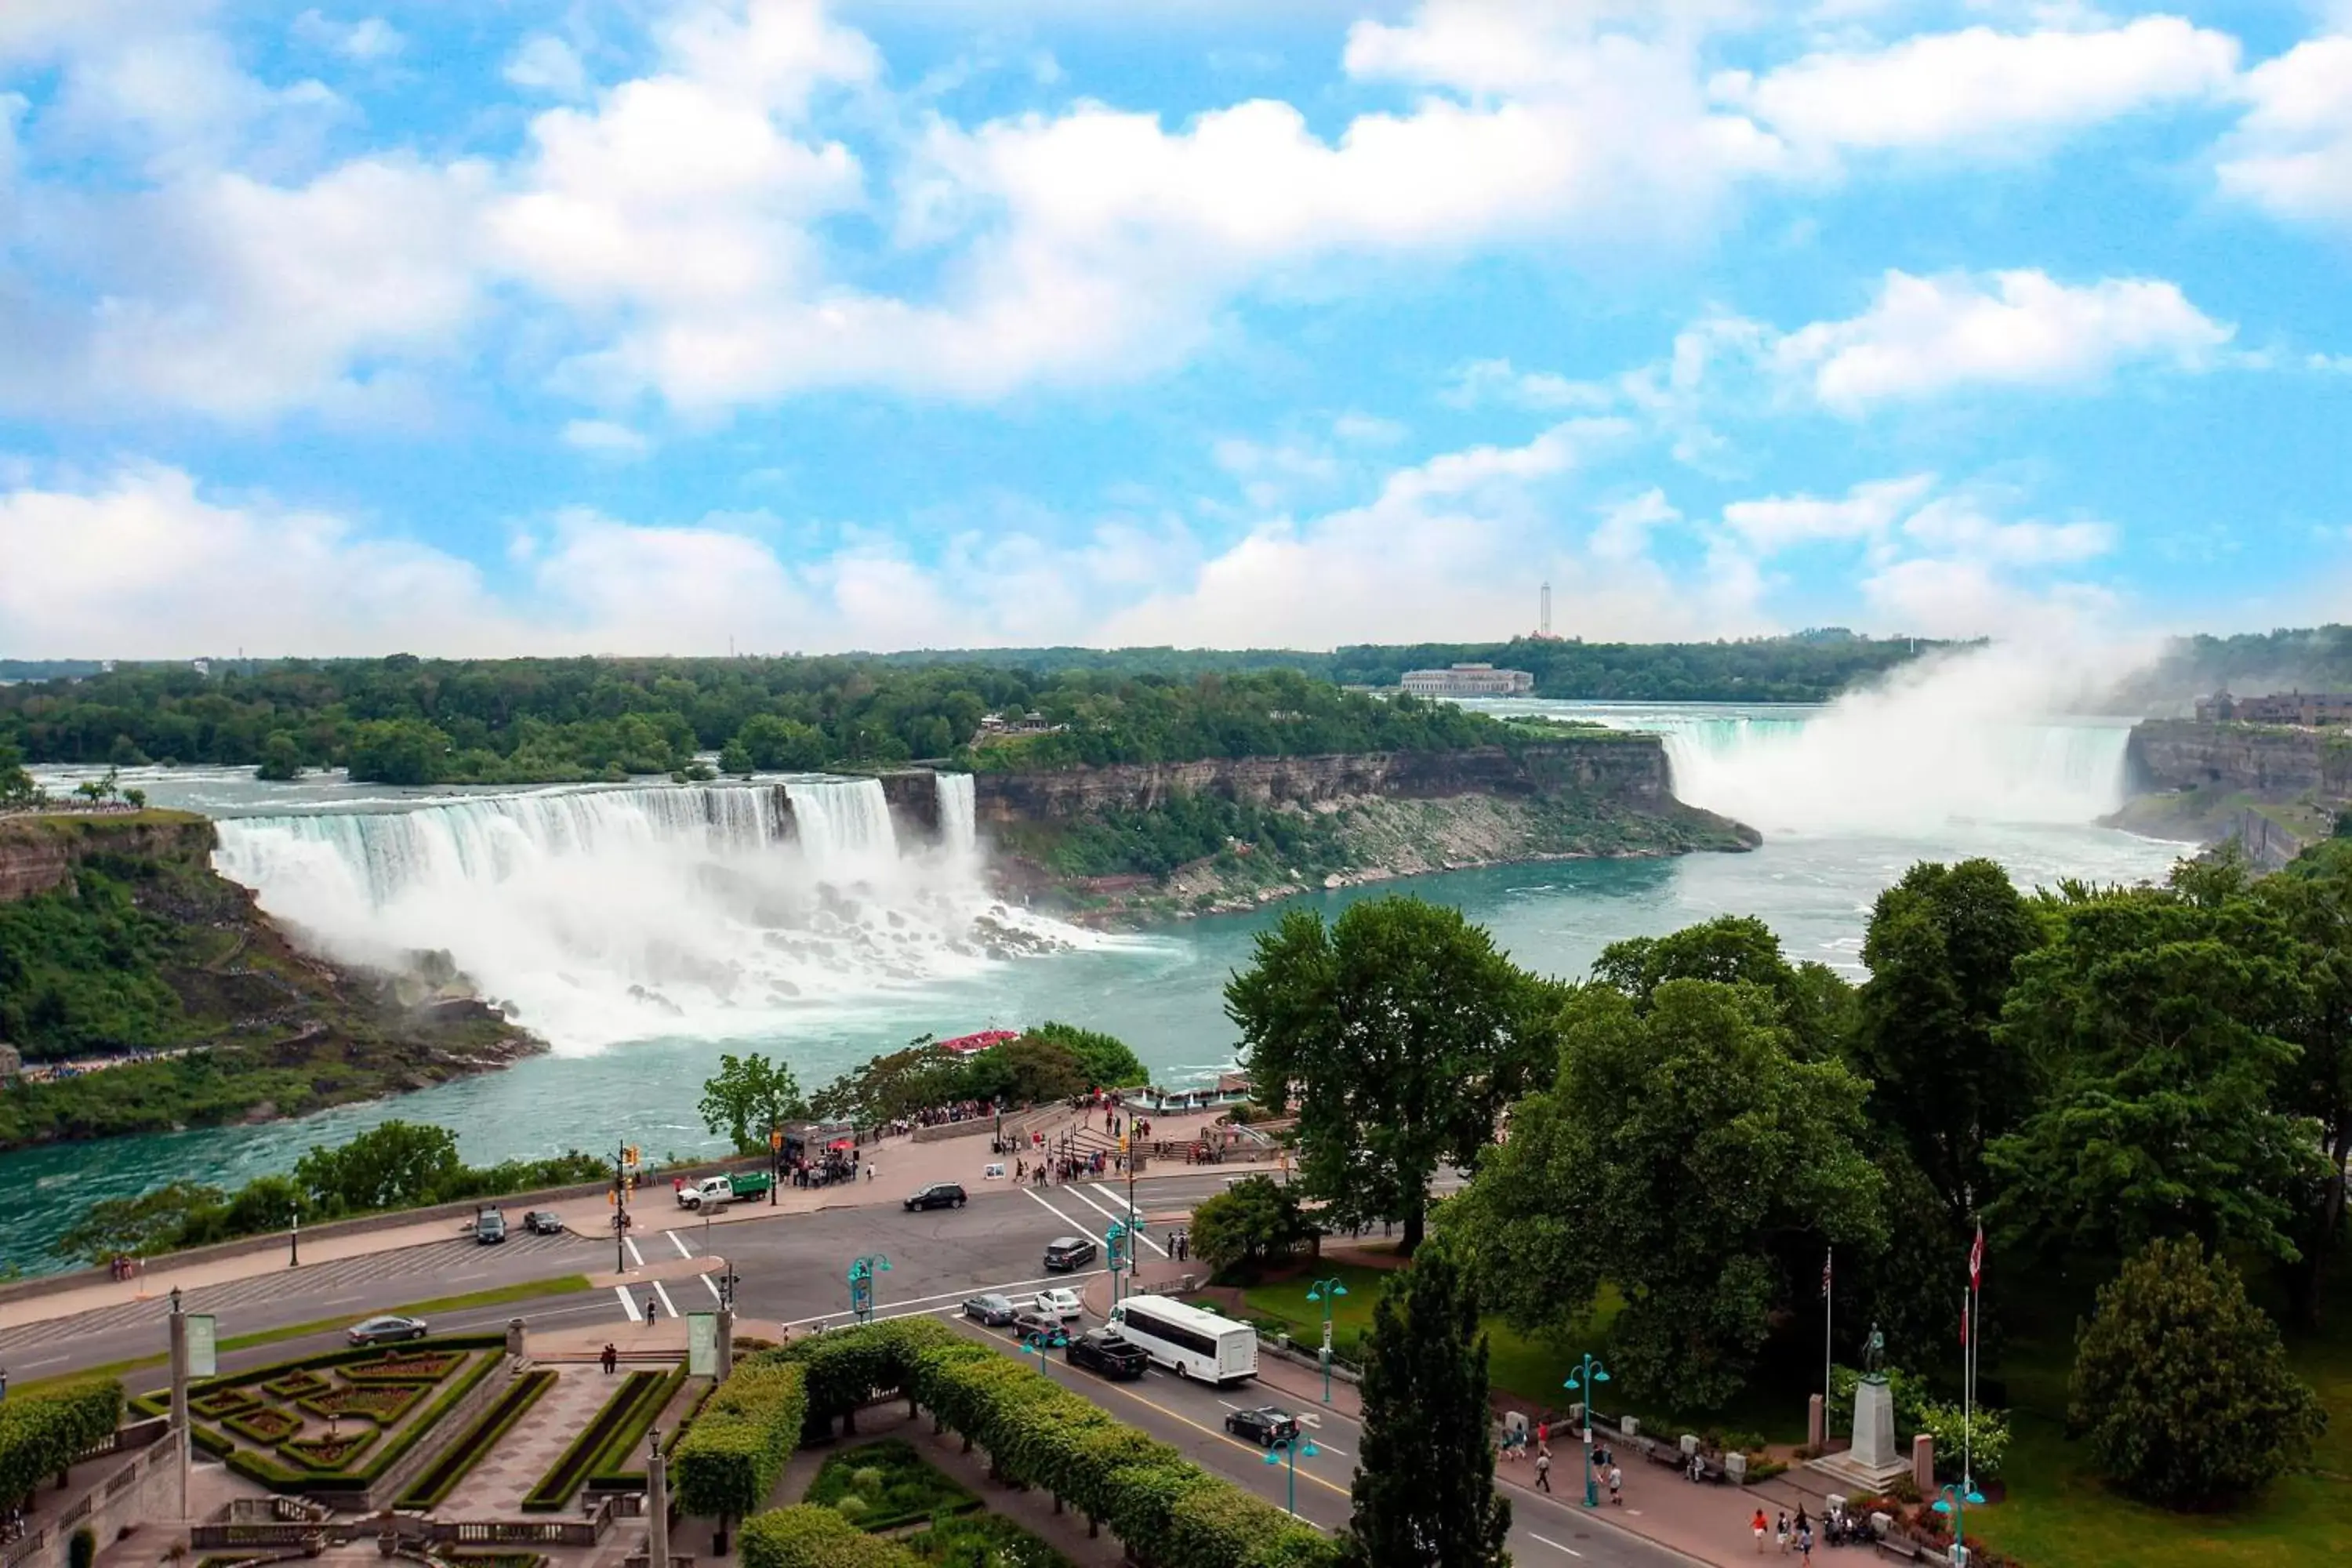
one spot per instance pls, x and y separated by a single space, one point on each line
1187 1340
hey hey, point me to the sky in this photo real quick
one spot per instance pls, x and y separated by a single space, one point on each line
685 326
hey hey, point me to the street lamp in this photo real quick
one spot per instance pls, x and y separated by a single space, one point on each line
1953 1502
1041 1343
861 1285
1294 1448
294 1237
1327 1291
1583 1382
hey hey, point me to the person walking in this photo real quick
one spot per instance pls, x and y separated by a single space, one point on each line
651 1313
1759 1524
1805 1544
1616 1486
1543 1470
1780 1532
611 1358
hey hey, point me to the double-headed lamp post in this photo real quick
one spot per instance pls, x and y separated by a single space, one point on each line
1041 1343
861 1284
1583 1383
294 1236
1296 1446
1954 1503
1327 1291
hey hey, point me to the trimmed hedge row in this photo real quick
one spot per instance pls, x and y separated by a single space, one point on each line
579 1457
457 1460
612 1469
352 1481
1168 1511
41 1435
811 1537
730 1458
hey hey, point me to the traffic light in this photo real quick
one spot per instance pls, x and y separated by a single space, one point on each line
629 1156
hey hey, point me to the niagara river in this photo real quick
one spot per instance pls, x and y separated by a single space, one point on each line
642 929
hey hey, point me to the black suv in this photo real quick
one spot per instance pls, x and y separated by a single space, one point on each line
543 1222
938 1195
1265 1425
1066 1253
1101 1350
489 1227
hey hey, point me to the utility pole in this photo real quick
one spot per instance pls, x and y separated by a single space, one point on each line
179 1350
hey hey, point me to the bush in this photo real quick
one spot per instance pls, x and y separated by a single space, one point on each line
459 1459
572 1466
1986 1438
811 1537
81 1549
730 1459
41 1435
2182 1386
884 1485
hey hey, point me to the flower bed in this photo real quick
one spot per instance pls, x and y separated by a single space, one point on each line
327 1453
295 1385
572 1466
881 1486
381 1403
225 1402
981 1540
416 1366
459 1459
266 1427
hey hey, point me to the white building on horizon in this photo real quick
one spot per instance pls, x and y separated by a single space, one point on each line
1467 680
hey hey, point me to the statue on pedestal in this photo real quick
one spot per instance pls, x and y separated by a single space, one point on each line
1873 1357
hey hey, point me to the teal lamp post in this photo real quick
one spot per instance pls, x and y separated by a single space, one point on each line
1955 1504
1327 1291
1041 1343
1293 1449
1584 1382
861 1285
1116 1241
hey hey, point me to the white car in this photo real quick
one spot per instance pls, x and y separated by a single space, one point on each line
1061 1302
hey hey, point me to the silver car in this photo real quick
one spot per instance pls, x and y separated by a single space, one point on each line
385 1330
994 1310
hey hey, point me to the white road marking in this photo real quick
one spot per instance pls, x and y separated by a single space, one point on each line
1141 1235
713 1285
628 1303
948 1300
1555 1545
1057 1214
666 1302
633 1253
44 1361
679 1242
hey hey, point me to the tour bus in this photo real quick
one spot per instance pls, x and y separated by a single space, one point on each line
1187 1340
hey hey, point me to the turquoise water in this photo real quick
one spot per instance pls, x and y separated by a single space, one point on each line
1160 990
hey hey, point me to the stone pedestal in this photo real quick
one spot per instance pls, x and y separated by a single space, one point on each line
1872 1464
1922 1464
1817 1424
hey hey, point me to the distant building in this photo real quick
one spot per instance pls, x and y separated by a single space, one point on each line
1468 680
11 1063
1030 723
2308 708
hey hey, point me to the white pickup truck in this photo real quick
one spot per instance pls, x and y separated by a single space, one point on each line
716 1191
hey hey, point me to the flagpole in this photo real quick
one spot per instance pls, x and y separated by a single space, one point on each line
1829 1353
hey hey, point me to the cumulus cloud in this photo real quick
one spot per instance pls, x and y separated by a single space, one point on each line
544 63
1925 336
2292 154
367 39
606 439
1780 522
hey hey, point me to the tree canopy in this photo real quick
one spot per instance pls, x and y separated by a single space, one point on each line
749 1096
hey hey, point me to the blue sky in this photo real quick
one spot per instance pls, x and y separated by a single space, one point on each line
659 325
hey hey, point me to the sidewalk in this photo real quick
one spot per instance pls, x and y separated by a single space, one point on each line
899 1165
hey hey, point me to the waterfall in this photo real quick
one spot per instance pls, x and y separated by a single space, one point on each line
959 816
602 915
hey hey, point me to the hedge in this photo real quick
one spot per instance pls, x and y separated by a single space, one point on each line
457 1460
731 1457
1168 1510
810 1537
348 1482
611 1469
572 1466
41 1435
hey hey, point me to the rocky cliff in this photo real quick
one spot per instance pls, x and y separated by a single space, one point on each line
38 853
1630 770
2273 788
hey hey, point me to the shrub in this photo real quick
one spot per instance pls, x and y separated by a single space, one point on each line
41 1435
459 1459
572 1466
267 1427
81 1549
885 1485
225 1402
1985 1437
728 1461
327 1453
416 1366
2181 1386
294 1385
812 1537
620 1463
381 1403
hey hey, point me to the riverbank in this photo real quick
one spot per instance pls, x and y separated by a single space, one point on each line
117 931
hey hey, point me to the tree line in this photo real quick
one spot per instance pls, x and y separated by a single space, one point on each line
2131 1084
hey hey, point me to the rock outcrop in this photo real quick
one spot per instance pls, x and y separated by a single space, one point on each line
2273 788
39 851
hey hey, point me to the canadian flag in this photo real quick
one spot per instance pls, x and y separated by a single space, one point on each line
1975 1261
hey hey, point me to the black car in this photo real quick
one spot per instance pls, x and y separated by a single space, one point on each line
938 1195
1099 1350
1066 1253
1265 1425
543 1222
1028 1326
995 1311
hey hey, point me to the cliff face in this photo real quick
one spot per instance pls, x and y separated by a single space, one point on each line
1631 770
2271 788
39 853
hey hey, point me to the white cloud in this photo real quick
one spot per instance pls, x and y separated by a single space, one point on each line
1368 430
1979 92
1954 525
1491 381
545 63
1780 522
1925 336
1625 527
2292 154
1941 598
604 438
369 38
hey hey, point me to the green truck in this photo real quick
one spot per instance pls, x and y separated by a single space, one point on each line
719 1191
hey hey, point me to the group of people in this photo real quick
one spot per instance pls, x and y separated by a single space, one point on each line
1517 1444
939 1115
1786 1532
832 1166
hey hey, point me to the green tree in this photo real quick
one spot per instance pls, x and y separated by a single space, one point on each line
1106 1059
1941 948
1252 1222
735 757
1687 1154
1816 1003
1029 1071
140 1226
748 1097
2313 902
394 1164
398 752
16 786
2152 1023
1424 1485
1400 1033
777 744
2181 1386
281 758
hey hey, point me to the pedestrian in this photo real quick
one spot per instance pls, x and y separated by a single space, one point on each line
1171 1243
611 1358
1543 1470
1543 1433
1804 1521
650 1313
1780 1531
1617 1487
1759 1524
1805 1544
869 1170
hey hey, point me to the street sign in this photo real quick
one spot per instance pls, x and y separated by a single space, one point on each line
204 1346
702 1344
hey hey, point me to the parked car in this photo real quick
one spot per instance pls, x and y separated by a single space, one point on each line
1061 1301
1265 1426
489 1225
543 1222
938 1195
1066 1253
1034 1325
384 1330
1100 1350
720 1190
992 1310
